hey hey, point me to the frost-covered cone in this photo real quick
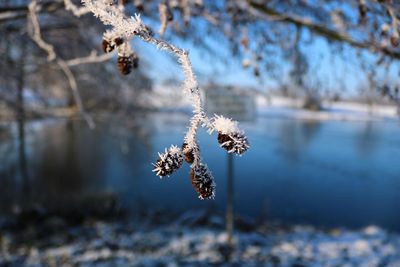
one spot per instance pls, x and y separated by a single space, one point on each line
234 143
107 46
230 137
188 153
109 43
118 41
169 161
203 181
125 64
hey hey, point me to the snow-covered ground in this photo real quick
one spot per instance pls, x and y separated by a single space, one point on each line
345 111
193 241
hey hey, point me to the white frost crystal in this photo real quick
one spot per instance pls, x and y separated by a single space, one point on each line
224 125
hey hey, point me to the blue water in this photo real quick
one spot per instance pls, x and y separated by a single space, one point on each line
321 173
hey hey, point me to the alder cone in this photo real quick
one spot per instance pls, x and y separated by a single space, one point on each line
202 181
168 162
188 153
234 143
118 41
222 138
107 46
125 64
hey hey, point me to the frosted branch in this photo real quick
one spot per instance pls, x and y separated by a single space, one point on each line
234 141
77 11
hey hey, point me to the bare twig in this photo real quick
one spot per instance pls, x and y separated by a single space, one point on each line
75 92
77 11
93 57
21 11
36 34
64 65
320 29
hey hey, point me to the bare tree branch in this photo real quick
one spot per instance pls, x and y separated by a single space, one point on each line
20 12
35 33
93 57
321 30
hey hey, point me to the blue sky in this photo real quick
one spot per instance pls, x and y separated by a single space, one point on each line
334 70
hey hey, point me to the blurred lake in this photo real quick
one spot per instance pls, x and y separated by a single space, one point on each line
324 173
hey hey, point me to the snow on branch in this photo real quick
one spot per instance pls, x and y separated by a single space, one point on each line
77 11
230 136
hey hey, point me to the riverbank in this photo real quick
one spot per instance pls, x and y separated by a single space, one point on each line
192 239
331 111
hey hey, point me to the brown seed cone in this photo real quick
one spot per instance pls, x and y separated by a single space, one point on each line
188 153
168 162
222 138
107 46
125 64
163 171
235 142
203 181
118 41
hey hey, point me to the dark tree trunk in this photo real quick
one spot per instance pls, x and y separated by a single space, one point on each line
20 112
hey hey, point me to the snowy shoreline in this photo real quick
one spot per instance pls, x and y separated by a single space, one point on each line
282 107
338 111
192 240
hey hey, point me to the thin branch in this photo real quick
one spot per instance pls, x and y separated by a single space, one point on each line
77 11
395 21
74 88
20 12
321 30
93 57
35 33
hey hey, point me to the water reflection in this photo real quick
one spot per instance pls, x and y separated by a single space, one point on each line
323 173
295 137
369 138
